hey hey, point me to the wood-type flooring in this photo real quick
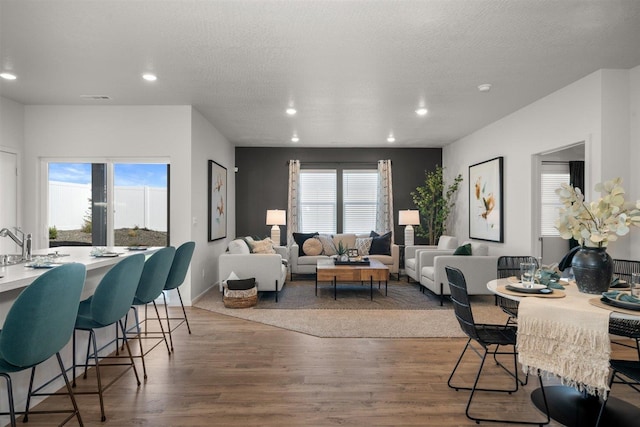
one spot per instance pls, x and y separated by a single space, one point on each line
233 372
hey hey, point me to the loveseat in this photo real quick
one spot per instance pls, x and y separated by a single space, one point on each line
478 269
412 262
266 265
325 245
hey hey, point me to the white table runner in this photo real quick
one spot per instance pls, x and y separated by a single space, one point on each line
567 337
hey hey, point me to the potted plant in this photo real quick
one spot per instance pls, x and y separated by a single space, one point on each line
594 225
342 252
435 201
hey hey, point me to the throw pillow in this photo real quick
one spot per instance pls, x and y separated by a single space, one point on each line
363 245
300 238
262 247
463 250
312 247
380 245
241 284
328 247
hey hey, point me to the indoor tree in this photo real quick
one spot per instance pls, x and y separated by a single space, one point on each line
434 200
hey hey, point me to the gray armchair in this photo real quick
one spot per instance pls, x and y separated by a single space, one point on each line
414 263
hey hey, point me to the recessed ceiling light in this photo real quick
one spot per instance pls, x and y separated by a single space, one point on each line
149 77
484 87
295 138
422 111
291 111
8 76
391 139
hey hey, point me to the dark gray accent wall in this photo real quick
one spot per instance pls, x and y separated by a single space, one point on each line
262 179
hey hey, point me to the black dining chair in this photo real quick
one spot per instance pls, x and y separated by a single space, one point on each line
509 266
627 328
488 336
624 370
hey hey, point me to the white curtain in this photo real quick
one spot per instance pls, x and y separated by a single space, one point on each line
384 211
292 203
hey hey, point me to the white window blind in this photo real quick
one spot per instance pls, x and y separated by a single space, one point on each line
318 201
359 198
553 175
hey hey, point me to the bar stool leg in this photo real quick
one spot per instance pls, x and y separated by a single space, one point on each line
166 312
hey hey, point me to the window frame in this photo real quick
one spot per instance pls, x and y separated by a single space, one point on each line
109 163
339 168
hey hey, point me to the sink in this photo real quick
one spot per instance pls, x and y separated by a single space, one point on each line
11 259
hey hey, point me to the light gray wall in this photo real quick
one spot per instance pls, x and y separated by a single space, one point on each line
208 144
120 132
595 109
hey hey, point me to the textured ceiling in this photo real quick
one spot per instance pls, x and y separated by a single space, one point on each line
355 70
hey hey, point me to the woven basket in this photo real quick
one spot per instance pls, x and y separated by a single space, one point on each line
241 299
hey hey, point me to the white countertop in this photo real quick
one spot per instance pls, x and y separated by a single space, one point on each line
18 276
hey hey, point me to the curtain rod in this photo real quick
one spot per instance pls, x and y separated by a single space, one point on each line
338 163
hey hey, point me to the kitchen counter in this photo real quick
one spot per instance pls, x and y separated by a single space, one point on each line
19 276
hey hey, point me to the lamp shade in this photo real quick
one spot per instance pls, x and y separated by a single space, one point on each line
276 217
408 217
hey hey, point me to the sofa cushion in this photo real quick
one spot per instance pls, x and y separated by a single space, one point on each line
447 242
262 246
300 238
348 240
312 247
463 250
241 284
363 245
477 248
410 264
239 246
328 248
381 244
428 272
310 259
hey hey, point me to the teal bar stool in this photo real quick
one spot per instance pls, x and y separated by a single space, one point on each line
177 274
107 306
154 277
38 325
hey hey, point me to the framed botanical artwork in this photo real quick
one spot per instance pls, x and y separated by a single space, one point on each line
486 201
217 201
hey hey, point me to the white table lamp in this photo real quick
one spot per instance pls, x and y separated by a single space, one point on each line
276 218
408 218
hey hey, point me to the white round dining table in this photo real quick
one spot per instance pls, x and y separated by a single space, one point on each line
568 405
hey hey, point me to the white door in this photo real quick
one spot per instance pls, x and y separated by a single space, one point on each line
9 198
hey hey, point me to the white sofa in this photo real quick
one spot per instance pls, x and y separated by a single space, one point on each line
478 269
306 264
412 262
269 270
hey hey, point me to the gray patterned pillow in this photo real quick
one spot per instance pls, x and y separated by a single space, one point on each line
363 245
328 248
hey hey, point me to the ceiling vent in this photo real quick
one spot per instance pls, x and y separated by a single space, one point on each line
95 97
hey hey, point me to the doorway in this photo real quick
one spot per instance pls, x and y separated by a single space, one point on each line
552 169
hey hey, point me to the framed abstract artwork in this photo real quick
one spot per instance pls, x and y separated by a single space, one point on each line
486 201
217 201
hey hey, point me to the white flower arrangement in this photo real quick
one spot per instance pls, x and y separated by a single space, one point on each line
597 223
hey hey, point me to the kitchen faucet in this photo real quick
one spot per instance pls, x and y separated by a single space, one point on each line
22 240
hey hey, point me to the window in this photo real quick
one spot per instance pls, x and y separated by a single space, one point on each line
338 200
318 201
553 175
108 204
359 200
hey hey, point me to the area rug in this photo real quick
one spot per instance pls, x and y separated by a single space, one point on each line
377 320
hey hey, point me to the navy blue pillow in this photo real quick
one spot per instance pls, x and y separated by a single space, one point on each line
300 238
380 245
